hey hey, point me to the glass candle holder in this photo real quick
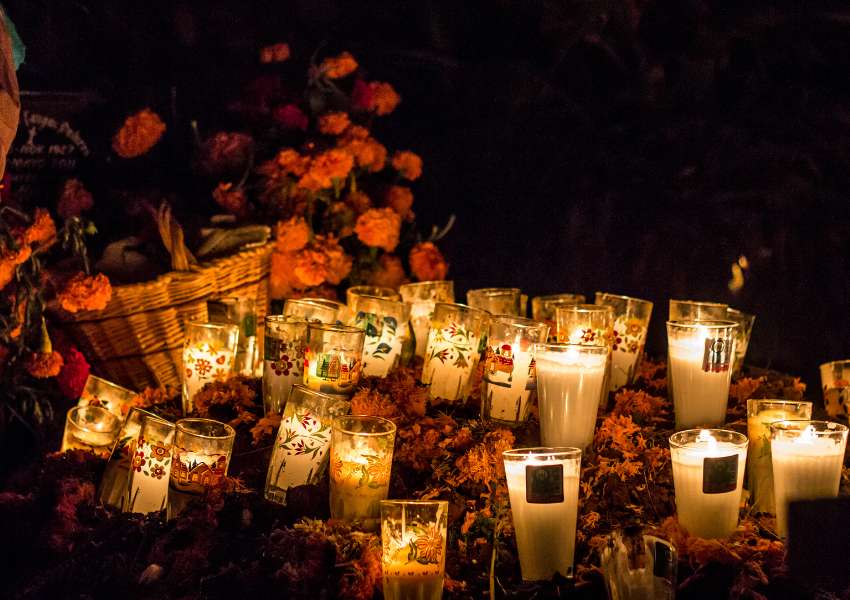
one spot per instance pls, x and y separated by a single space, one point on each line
208 355
807 458
422 297
586 324
202 449
90 428
413 543
700 368
510 376
111 396
384 323
333 358
708 477
361 461
314 309
742 338
300 453
835 382
631 323
241 312
543 488
284 345
760 414
151 466
496 301
452 352
696 310
570 387
543 309
637 567
371 290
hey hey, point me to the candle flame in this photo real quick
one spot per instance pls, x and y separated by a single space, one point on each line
706 437
807 436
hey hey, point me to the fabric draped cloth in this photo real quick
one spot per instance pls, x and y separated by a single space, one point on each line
10 97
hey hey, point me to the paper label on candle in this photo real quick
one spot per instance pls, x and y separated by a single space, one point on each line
194 473
717 355
720 475
544 484
382 345
284 357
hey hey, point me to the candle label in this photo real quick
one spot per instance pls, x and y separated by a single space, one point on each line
150 459
628 335
720 475
453 344
717 355
204 362
381 344
331 366
544 484
194 473
284 358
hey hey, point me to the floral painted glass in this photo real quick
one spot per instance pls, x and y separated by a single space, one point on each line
413 541
300 452
91 428
631 323
333 358
742 335
383 322
202 449
284 342
208 354
835 383
241 312
510 376
452 352
422 297
543 309
371 290
314 309
586 324
496 301
361 461
111 396
151 466
697 310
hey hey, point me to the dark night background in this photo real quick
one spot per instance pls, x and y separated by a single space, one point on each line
631 146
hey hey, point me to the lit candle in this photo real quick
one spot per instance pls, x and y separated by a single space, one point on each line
112 397
835 382
496 301
543 309
807 458
708 476
208 354
116 476
383 321
90 428
285 339
422 297
333 358
631 322
150 466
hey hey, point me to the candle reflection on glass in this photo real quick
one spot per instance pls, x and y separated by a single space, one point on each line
284 343
111 396
116 476
697 310
384 322
543 309
835 383
742 335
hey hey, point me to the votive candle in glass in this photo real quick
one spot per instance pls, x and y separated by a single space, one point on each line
453 350
543 309
422 297
835 383
708 477
699 370
284 344
413 542
361 462
631 323
300 453
496 301
91 428
313 310
570 387
150 466
333 358
697 310
111 396
543 488
208 355
384 322
807 458
371 290
510 376
745 329
760 414
589 324
241 312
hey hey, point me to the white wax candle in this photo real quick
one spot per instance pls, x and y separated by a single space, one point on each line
629 335
382 352
420 320
759 466
699 396
359 480
451 357
302 445
151 467
202 364
509 380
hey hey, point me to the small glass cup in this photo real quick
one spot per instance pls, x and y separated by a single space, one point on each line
835 383
314 310
333 358
208 355
116 476
361 462
111 396
422 297
300 454
697 310
586 324
413 541
510 376
745 329
151 466
452 352
284 344
371 290
91 428
384 323
807 457
543 488
202 449
543 309
496 301
639 566
631 324
241 312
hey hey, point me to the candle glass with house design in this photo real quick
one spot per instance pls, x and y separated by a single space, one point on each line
543 309
111 396
90 428
314 310
384 323
284 345
202 449
631 324
333 358
241 312
208 355
745 323
150 466
697 310
422 297
497 301
835 383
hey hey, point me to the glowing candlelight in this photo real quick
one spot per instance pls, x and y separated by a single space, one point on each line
422 297
631 323
497 301
333 358
285 340
150 466
90 428
208 354
384 322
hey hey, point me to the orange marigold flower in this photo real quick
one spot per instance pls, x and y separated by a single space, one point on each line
335 67
379 228
389 273
338 262
408 164
384 98
400 199
44 364
310 267
324 168
368 153
275 53
356 132
292 234
139 134
281 278
86 292
74 199
427 262
292 163
358 202
42 230
334 123
231 199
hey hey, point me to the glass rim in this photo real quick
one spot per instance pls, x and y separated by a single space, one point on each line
829 427
182 423
785 401
700 302
623 297
741 440
335 327
840 361
737 311
584 307
392 426
541 451
464 308
234 300
88 407
517 321
147 416
312 392
494 291
559 347
288 319
400 502
558 296
208 325
704 323
386 299
421 284
382 288
326 302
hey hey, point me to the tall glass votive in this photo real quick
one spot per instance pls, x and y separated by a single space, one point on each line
570 387
760 414
510 376
314 309
151 466
587 324
361 462
202 449
413 542
91 428
208 355
371 290
241 312
631 323
384 323
835 383
700 368
422 297
745 323
300 454
452 352
333 358
697 310
284 344
543 488
543 309
708 476
496 301
807 458
111 396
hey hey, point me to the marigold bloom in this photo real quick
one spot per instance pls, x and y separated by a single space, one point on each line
358 202
275 53
290 117
384 98
231 199
356 132
427 262
85 292
324 168
281 278
338 262
44 364
400 199
389 273
42 230
74 199
139 134
291 162
379 228
334 123
292 234
310 267
408 164
335 67
367 151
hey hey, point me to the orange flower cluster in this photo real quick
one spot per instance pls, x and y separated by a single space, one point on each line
408 164
74 199
44 364
367 152
358 202
427 262
389 272
334 123
324 168
400 199
322 260
292 234
384 98
42 231
379 228
275 53
139 134
85 292
231 199
336 67
38 236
